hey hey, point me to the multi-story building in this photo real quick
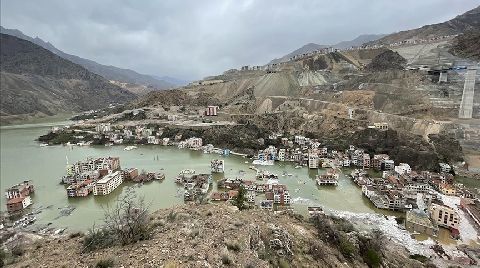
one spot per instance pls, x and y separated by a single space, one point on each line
313 160
91 164
108 183
381 126
444 167
22 189
281 155
444 216
18 203
251 196
377 161
194 143
211 110
217 166
403 168
103 128
387 164
300 140
366 161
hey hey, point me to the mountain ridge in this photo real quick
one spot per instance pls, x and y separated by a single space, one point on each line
359 40
109 72
467 21
35 81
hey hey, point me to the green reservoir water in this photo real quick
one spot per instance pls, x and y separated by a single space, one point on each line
23 158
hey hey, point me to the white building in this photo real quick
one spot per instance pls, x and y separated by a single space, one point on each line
102 128
403 168
444 167
194 143
300 140
108 183
313 160
281 155
211 110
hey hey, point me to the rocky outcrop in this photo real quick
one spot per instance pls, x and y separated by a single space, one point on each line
220 236
467 45
388 60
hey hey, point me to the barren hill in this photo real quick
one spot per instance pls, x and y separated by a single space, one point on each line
36 81
470 20
109 72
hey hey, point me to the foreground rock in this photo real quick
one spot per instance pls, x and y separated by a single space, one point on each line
220 236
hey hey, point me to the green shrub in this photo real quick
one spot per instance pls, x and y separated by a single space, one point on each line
283 264
171 216
233 246
104 263
18 251
226 259
98 239
419 258
372 258
74 235
346 248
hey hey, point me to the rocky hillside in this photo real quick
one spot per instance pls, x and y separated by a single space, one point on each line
467 45
388 60
470 20
36 81
107 71
221 236
310 47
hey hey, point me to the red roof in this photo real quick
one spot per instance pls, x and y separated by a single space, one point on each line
15 200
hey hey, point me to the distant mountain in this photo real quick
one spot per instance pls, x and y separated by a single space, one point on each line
172 80
360 40
341 45
108 72
468 21
36 81
305 49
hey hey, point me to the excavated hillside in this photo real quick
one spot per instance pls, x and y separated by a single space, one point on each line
467 45
313 96
222 236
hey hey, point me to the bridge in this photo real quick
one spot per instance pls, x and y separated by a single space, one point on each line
466 106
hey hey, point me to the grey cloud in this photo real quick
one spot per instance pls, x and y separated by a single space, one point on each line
192 39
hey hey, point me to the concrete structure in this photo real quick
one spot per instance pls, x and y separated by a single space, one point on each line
444 167
403 168
217 166
313 160
108 183
381 126
466 106
443 77
211 111
22 189
18 203
103 128
418 221
444 216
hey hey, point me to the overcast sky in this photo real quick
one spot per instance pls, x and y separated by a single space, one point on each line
193 39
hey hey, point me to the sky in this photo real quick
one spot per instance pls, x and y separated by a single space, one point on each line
192 39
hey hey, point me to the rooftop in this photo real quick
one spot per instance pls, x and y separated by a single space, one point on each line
108 177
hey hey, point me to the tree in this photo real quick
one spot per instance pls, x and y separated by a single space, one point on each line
127 222
240 201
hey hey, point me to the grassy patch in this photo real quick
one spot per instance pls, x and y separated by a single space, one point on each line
419 258
104 263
